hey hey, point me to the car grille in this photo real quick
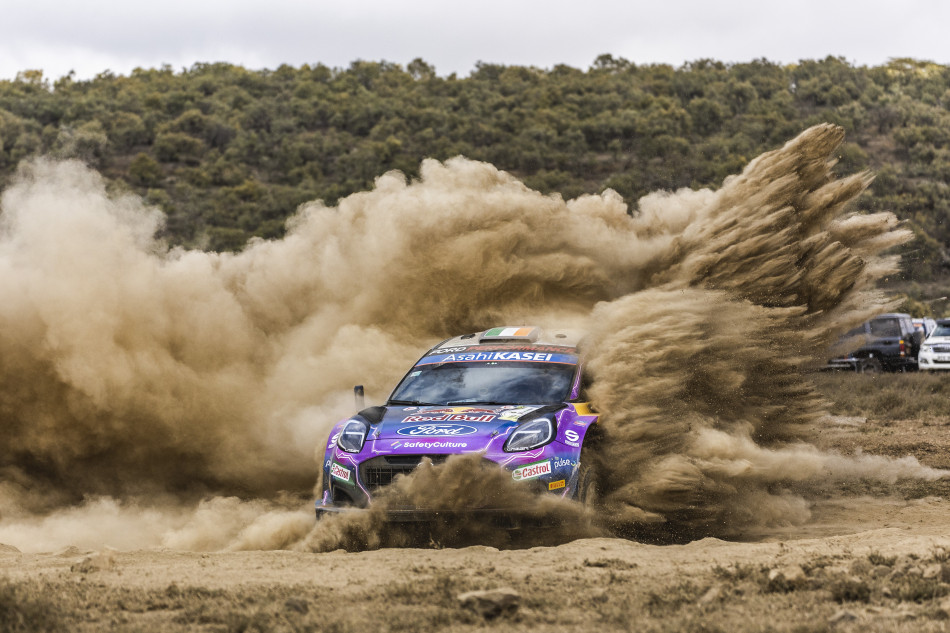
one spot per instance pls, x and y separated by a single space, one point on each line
941 349
380 471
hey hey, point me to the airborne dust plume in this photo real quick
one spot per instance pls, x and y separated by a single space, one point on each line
156 396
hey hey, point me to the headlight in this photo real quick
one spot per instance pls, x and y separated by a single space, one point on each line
530 435
927 348
352 436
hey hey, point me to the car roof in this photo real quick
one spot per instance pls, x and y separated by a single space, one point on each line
527 336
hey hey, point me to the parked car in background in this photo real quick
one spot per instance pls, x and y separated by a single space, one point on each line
925 325
888 342
935 351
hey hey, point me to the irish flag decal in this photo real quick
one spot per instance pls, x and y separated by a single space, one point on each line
509 332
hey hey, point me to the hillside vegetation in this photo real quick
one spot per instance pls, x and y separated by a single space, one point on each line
228 153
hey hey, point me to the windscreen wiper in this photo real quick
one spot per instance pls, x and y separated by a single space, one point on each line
414 403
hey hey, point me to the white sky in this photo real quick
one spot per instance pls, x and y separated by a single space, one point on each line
90 37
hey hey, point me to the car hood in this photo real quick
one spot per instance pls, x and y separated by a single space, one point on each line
937 340
451 421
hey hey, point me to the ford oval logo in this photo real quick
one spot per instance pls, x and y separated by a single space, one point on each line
437 430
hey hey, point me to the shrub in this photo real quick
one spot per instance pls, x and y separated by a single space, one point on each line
27 607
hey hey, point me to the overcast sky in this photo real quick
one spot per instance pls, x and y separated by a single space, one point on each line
58 36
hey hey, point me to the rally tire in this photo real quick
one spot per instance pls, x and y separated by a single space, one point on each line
587 489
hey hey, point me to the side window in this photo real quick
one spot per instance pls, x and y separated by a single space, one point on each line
885 327
586 382
856 331
909 328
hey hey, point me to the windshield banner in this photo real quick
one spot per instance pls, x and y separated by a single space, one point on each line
491 357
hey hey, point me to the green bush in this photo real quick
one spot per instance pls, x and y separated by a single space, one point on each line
635 128
173 147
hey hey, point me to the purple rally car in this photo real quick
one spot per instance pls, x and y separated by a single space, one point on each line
512 394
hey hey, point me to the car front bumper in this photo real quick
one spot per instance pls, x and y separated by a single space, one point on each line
930 361
551 469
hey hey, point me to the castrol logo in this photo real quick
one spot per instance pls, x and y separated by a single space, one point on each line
339 472
531 471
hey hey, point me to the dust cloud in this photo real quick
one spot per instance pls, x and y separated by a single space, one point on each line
700 378
448 492
181 394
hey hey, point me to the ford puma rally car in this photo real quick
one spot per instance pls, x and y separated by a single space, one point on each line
511 394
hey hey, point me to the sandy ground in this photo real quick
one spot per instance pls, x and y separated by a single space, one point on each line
878 560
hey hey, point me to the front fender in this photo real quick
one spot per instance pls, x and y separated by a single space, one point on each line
328 452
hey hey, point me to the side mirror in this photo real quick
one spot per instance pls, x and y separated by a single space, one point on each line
360 398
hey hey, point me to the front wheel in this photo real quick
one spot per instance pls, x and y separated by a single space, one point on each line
586 483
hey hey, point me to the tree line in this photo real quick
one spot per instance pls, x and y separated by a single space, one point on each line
228 153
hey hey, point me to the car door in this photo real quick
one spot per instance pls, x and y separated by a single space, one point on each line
886 336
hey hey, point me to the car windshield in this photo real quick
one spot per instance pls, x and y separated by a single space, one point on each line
942 330
885 327
487 383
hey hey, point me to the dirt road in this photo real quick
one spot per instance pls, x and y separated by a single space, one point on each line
873 559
